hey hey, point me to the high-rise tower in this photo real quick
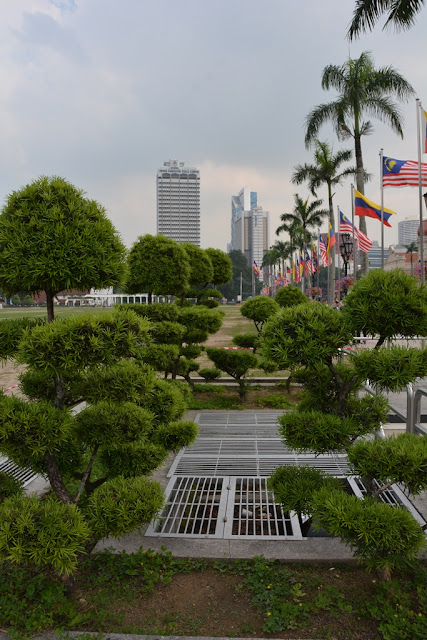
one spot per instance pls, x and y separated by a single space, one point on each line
249 226
178 202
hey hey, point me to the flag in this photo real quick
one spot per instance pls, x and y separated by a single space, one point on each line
308 261
346 227
303 266
314 258
331 240
323 254
424 129
298 272
288 270
364 207
256 270
403 173
293 269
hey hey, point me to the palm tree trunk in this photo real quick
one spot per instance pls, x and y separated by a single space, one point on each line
331 267
360 186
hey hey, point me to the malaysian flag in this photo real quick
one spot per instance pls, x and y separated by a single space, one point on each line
346 227
403 173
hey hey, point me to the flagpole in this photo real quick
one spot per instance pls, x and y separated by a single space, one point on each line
420 191
339 256
355 253
318 264
382 208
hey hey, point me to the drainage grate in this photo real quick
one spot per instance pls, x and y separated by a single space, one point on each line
193 508
248 456
24 476
225 507
253 512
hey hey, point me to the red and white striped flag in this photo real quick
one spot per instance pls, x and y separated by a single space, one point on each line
346 227
403 173
323 252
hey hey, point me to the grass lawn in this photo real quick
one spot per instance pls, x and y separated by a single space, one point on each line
148 593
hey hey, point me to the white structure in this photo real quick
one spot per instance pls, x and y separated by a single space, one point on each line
178 202
407 231
250 226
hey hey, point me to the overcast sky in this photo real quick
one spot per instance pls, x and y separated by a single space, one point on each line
102 92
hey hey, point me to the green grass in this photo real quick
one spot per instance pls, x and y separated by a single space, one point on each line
41 312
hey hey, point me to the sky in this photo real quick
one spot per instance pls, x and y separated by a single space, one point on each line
103 92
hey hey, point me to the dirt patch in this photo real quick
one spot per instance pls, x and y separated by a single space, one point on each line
202 604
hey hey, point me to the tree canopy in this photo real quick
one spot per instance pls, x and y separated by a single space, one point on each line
53 238
159 266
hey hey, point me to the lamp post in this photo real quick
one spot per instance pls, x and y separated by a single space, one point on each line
346 250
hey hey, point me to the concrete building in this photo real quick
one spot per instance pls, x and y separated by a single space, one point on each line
178 202
407 231
250 226
375 255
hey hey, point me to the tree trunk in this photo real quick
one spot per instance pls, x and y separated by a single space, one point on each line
55 479
360 186
150 297
49 304
331 267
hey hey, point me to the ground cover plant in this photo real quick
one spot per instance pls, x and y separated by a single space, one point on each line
155 593
224 397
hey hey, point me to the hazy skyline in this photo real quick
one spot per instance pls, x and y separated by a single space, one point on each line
102 93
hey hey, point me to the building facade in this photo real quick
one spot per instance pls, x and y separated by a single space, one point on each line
178 202
250 228
407 231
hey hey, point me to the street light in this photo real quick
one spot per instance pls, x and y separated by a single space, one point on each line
346 250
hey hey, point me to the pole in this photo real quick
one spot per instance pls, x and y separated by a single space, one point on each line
382 208
318 265
420 191
339 255
355 253
241 286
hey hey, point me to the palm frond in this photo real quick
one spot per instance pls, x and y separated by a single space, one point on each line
401 15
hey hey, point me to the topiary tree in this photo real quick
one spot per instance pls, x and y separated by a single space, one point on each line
332 417
387 304
235 363
159 266
97 460
201 269
290 296
259 309
222 267
53 239
178 334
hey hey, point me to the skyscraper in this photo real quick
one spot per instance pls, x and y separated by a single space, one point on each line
407 231
178 202
249 226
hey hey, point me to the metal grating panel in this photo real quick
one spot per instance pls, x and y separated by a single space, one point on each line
24 476
223 508
253 513
193 508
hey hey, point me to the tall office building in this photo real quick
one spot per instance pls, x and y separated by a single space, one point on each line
178 202
407 231
249 226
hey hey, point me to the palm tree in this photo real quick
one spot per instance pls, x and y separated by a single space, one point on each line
401 14
325 170
284 250
298 223
412 248
362 91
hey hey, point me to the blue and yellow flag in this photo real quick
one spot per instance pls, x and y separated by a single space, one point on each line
364 207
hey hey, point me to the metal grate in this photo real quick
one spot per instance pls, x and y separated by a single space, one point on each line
223 508
253 512
193 508
24 476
